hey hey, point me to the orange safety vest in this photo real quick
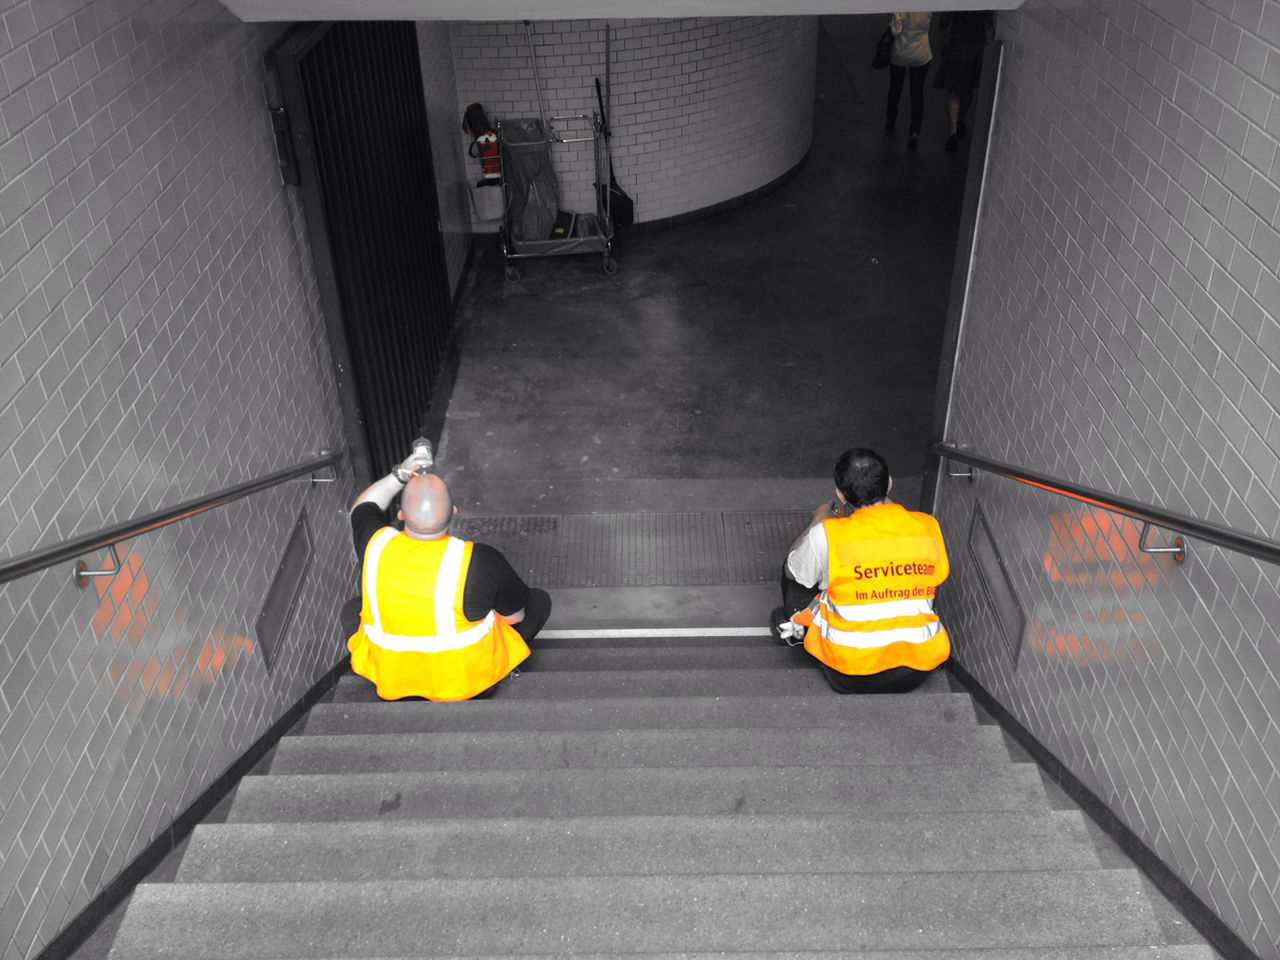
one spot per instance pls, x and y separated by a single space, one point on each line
884 565
414 640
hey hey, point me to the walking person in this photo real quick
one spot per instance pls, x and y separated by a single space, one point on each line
909 60
960 64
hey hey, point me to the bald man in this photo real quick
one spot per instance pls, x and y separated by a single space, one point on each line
441 618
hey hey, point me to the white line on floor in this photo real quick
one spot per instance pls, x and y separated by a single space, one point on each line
610 632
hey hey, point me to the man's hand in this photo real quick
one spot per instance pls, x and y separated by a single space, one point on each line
413 465
419 461
834 507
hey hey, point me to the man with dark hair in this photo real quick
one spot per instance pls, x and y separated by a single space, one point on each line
440 617
859 582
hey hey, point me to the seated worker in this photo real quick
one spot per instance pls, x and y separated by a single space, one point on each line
440 618
858 585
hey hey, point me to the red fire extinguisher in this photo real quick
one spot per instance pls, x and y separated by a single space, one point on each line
484 143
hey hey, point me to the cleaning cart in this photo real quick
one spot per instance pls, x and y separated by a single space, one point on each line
533 223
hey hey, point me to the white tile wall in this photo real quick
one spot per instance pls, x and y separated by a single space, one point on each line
703 110
161 338
1123 332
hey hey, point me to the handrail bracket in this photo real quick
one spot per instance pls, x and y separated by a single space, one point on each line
83 573
316 475
1178 551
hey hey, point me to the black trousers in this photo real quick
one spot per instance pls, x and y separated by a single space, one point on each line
896 76
795 597
536 611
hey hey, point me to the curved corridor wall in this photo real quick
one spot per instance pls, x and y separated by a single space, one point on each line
703 110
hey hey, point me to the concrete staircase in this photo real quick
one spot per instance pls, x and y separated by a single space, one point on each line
669 798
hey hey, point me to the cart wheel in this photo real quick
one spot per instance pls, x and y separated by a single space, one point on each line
610 265
512 274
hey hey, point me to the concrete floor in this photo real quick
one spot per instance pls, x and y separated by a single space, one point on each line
732 358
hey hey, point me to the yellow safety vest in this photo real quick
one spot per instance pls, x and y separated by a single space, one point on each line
414 640
884 565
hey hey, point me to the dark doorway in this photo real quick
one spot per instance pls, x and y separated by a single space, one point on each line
357 123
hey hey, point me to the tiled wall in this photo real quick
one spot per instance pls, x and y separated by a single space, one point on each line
703 110
1122 332
161 339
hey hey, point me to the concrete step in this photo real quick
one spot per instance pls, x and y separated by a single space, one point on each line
570 684
603 846
623 791
559 749
606 915
823 711
682 657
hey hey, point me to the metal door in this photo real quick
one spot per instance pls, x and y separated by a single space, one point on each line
355 117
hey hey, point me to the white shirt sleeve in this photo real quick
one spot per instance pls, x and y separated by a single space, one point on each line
807 563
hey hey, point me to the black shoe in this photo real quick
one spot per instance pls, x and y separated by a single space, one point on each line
912 140
953 141
777 620
888 125
776 616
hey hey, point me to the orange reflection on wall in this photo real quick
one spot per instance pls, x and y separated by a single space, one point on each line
1096 549
128 604
1081 647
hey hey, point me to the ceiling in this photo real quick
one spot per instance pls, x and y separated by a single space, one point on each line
265 10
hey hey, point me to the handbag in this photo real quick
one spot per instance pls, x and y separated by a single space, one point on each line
884 49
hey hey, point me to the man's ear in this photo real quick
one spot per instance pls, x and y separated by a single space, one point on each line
889 487
399 514
840 496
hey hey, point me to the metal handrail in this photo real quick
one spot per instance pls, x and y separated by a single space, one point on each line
1257 547
46 557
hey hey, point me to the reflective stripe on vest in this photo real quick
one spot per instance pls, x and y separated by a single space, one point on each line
876 624
449 582
872 625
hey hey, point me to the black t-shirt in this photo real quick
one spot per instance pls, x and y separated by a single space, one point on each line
491 584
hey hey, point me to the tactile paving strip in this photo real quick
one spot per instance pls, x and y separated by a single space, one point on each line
641 550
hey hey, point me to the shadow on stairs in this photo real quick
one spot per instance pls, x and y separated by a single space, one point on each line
665 797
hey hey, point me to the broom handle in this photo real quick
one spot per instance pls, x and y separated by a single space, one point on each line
604 117
537 83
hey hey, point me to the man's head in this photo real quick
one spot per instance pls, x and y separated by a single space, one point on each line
862 477
425 506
